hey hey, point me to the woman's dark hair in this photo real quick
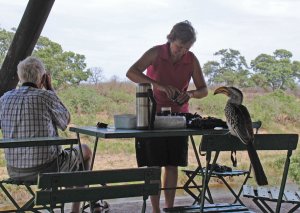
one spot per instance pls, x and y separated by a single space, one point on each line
182 31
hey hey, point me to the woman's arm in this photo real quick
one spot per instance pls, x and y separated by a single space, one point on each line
199 81
135 72
201 90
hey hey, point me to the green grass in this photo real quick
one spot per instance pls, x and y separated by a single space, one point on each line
2 159
295 165
113 146
278 111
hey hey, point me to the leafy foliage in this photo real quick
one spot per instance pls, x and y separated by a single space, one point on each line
82 100
5 40
232 69
209 106
2 158
277 71
277 110
66 67
294 167
89 105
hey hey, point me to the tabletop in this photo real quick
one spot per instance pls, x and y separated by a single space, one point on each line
132 133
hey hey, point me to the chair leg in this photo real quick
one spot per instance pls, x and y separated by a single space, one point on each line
241 189
194 184
30 190
6 192
198 187
231 190
189 181
144 206
209 199
28 205
294 208
263 207
62 208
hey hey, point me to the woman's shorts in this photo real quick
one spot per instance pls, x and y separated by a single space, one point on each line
66 162
162 151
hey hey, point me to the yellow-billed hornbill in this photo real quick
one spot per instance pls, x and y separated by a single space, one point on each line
240 125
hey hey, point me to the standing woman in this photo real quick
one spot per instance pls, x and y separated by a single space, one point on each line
170 68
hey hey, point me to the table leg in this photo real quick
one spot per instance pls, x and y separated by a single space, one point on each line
193 175
207 176
91 167
94 152
80 149
195 151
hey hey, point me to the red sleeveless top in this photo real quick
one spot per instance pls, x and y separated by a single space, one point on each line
166 73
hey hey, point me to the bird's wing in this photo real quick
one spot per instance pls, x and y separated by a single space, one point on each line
240 121
247 118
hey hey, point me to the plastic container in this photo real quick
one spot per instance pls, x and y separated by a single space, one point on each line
170 122
125 121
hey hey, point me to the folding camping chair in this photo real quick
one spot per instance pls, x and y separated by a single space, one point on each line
263 196
221 173
210 143
59 188
28 142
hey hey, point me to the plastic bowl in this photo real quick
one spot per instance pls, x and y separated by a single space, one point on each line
125 121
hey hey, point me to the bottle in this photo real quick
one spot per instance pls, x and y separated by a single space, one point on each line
145 106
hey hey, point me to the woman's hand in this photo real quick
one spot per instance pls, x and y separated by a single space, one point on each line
182 98
169 90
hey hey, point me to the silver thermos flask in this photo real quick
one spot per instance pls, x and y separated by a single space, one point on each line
145 106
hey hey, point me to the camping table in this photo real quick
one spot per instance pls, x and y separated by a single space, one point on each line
106 133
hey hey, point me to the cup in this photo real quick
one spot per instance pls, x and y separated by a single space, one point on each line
166 111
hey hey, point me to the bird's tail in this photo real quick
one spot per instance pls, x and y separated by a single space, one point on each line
259 173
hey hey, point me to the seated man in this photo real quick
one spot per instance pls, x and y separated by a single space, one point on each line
31 111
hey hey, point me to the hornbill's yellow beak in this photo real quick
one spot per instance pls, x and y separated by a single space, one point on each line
222 90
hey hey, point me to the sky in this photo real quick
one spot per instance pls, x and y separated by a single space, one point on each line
113 34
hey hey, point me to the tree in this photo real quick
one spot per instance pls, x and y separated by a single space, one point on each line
66 67
277 70
96 75
296 69
52 55
231 70
5 40
75 71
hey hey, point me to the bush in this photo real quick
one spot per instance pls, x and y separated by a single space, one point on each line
294 167
209 106
276 110
82 100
